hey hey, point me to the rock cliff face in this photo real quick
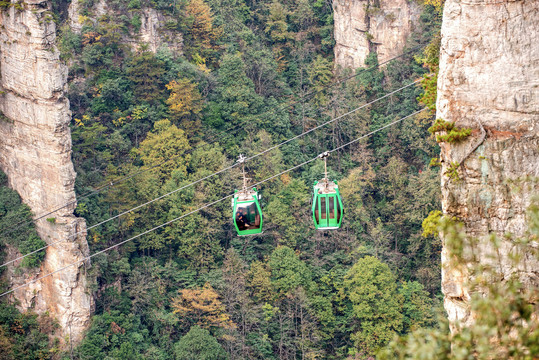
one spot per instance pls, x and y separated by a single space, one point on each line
35 153
153 30
489 77
363 26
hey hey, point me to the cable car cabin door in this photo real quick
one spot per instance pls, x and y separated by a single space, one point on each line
327 212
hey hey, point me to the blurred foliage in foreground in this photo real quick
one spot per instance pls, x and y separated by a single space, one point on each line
505 306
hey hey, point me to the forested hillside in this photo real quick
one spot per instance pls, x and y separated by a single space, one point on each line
249 75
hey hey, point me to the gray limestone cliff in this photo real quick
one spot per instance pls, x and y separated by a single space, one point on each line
35 153
153 31
489 81
364 26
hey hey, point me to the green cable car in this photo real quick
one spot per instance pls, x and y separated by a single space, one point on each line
246 213
327 204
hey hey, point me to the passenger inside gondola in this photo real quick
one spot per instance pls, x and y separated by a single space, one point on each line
247 217
240 219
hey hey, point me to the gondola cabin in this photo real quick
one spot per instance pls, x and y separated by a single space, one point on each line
247 214
327 206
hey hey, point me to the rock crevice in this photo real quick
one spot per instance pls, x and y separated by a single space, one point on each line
365 26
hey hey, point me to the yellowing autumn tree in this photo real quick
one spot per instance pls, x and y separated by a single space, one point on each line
438 4
202 307
201 36
165 146
184 99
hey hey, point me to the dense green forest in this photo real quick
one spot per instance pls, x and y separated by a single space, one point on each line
251 75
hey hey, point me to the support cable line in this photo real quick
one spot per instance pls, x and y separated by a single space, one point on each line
333 120
207 205
215 173
215 138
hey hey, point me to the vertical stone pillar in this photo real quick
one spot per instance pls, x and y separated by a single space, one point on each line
35 153
489 77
